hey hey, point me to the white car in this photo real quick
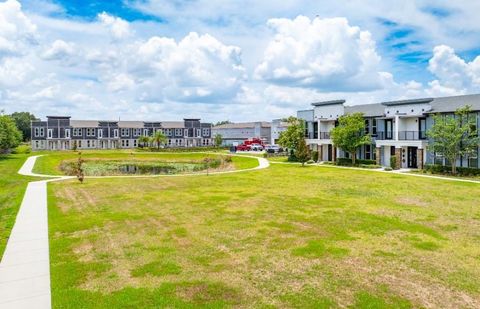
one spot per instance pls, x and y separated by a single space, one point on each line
256 147
273 149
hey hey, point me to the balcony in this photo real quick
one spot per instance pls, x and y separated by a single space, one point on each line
324 135
402 135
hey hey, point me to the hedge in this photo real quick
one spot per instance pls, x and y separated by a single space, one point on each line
182 149
442 169
315 156
348 162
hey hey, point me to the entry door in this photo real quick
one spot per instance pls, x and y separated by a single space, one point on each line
330 152
412 157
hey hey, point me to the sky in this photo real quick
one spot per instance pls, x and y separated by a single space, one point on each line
230 60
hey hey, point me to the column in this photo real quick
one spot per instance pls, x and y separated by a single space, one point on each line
397 126
398 155
334 154
320 152
378 155
420 159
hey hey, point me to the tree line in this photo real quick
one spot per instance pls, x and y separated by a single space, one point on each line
14 129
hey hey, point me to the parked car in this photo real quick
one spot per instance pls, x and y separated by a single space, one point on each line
273 149
256 147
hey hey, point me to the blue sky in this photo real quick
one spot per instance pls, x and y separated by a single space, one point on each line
231 59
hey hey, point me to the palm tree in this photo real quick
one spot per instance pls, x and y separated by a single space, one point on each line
159 138
143 140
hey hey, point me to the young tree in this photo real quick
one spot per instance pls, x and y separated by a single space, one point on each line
291 137
79 168
159 138
23 123
350 134
454 136
10 136
302 153
218 140
143 140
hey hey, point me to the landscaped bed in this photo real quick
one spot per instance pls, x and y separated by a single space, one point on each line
286 236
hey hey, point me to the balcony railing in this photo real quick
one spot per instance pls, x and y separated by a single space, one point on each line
411 135
324 135
385 135
402 135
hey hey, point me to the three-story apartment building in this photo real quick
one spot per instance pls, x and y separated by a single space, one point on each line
397 128
63 133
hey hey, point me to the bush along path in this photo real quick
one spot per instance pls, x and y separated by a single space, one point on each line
25 266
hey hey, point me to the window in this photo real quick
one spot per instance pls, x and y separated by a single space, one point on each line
178 132
134 143
88 143
145 132
100 133
115 133
185 132
77 132
39 132
124 132
367 126
473 160
199 132
50 133
374 127
90 132
67 133
438 159
168 132
137 132
79 144
37 144
206 132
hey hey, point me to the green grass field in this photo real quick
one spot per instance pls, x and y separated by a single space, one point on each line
12 188
287 236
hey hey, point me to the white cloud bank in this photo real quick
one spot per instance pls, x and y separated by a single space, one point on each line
106 68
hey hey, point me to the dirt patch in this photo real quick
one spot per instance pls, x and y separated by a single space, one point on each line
411 201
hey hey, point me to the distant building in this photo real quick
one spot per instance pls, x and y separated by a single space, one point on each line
62 133
236 133
277 127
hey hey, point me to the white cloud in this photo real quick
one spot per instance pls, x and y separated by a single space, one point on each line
16 30
320 53
59 50
454 73
118 27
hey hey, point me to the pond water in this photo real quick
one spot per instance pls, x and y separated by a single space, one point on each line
118 167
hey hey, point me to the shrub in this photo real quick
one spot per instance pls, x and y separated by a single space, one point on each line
462 171
348 162
388 169
292 157
22 149
315 156
393 162
372 166
310 161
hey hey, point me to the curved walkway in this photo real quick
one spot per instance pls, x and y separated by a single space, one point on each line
25 266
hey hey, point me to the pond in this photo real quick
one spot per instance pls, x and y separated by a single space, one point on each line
141 167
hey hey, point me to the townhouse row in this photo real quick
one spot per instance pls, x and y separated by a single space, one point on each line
63 133
397 128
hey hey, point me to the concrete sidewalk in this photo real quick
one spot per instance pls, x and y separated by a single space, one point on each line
25 267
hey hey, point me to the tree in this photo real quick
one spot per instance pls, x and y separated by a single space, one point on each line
23 123
10 136
350 134
454 136
302 153
159 138
222 122
78 168
143 140
291 137
218 140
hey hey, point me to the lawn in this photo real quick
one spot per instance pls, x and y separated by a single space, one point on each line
50 163
12 188
286 236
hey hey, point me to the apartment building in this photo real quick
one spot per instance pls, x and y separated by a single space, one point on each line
63 133
398 128
236 133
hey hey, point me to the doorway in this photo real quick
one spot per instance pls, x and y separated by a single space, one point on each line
412 157
330 153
